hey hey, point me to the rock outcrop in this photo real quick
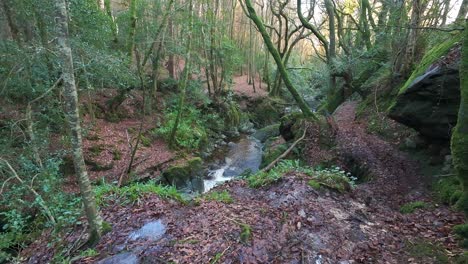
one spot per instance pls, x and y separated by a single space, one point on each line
429 100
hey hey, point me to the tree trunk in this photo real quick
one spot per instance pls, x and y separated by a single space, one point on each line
276 56
71 111
183 86
107 6
459 143
133 21
462 12
14 31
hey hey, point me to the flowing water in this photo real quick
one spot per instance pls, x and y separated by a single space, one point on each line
243 155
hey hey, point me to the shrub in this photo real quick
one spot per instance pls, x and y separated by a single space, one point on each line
191 131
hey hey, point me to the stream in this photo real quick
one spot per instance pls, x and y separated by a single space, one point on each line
241 156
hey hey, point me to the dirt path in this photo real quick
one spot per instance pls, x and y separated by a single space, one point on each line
395 177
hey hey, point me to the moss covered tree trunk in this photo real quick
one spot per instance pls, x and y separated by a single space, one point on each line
460 133
279 63
183 85
71 111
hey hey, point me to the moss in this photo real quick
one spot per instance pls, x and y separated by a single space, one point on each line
145 141
425 252
333 101
270 154
261 179
462 259
267 111
429 58
106 227
267 132
95 150
116 154
462 232
459 143
314 184
223 197
246 233
409 208
180 174
448 190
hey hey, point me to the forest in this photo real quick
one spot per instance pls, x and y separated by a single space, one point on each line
233 131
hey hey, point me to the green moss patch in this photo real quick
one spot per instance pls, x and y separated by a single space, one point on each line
224 197
429 58
180 174
409 208
426 252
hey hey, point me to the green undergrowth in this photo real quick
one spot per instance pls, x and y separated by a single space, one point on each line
224 197
135 191
409 208
462 232
333 178
448 190
425 252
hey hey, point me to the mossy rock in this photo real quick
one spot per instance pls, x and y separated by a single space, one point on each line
429 100
430 58
289 127
268 111
267 132
180 175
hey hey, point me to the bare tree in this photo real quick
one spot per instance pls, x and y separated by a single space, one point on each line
71 111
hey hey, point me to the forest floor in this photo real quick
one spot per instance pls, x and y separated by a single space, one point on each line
290 222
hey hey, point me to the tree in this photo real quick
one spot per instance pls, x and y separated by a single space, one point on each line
459 144
463 11
279 63
72 113
183 85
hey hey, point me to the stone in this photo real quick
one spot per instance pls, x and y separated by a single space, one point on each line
181 174
430 99
122 258
152 231
267 132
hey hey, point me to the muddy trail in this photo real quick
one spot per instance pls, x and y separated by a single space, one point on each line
290 222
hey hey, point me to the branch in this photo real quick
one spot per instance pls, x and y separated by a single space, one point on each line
273 163
38 196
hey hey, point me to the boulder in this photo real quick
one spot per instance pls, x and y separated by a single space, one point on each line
429 100
267 132
181 175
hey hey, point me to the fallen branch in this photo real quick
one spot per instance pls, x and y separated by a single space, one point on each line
286 153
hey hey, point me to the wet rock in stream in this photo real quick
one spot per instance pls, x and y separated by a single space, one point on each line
151 231
122 258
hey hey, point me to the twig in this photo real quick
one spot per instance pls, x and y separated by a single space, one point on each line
4 183
38 196
273 163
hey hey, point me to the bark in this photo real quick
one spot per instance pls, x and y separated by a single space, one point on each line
107 6
14 31
279 63
463 11
171 59
459 144
183 86
312 28
133 21
72 114
364 25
